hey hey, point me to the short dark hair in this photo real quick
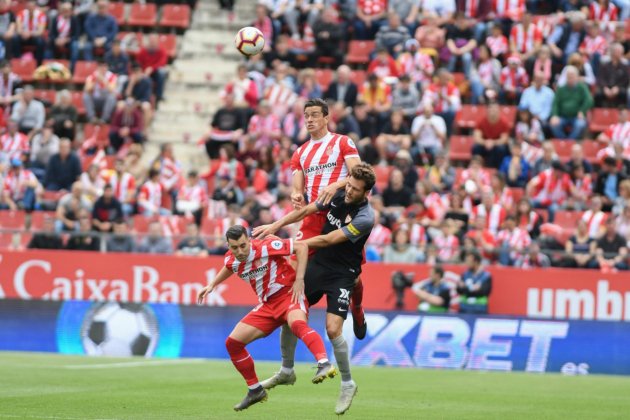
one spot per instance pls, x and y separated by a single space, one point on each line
108 187
475 256
235 232
438 269
364 172
153 172
317 102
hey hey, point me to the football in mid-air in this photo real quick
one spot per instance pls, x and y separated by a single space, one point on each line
120 329
249 41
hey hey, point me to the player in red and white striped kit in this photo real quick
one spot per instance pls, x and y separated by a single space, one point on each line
320 168
280 291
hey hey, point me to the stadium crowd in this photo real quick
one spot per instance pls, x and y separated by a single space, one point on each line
493 125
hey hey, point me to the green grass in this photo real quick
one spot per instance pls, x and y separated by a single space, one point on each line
45 386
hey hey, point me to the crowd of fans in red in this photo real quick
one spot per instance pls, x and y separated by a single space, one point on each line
528 98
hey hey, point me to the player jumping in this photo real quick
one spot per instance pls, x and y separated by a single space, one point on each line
333 269
320 168
280 290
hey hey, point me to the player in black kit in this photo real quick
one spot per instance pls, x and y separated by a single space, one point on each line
333 270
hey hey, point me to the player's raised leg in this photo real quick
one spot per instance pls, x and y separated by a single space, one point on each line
334 327
358 316
297 321
240 336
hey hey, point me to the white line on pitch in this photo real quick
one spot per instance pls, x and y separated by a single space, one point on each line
132 364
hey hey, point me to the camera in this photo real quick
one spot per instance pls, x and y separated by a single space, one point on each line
400 282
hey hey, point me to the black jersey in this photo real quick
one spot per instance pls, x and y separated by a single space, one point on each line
356 222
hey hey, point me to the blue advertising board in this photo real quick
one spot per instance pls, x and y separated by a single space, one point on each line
394 338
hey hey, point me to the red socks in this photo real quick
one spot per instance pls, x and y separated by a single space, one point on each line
357 300
310 337
242 360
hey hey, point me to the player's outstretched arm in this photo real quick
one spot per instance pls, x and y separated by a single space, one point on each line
301 253
323 241
295 216
223 275
329 192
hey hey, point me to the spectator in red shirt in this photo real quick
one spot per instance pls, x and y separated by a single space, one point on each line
491 137
384 64
153 60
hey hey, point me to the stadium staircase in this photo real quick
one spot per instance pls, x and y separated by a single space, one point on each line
205 63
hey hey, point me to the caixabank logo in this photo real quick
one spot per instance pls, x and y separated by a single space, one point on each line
119 329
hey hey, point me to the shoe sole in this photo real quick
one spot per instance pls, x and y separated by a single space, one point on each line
321 378
262 400
356 390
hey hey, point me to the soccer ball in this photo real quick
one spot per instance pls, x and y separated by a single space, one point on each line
120 329
249 41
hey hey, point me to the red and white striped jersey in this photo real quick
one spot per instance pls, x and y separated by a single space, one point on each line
14 145
379 237
262 128
527 222
511 9
122 184
595 222
471 7
497 45
438 204
515 79
598 13
63 27
417 235
619 133
481 177
447 246
505 199
195 194
281 98
518 239
109 77
531 153
551 189
594 45
266 268
15 182
419 67
31 21
584 185
525 40
170 173
151 196
494 218
547 23
486 72
437 95
323 162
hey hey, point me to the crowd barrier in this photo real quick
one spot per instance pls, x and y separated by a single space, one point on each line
59 275
394 339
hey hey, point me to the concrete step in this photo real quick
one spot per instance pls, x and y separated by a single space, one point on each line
190 157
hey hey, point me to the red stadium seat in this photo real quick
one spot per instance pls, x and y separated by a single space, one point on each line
82 70
591 148
468 116
509 113
567 219
144 15
175 16
359 52
77 101
602 118
48 96
358 77
460 148
169 43
23 68
324 78
382 176
101 131
12 219
14 241
37 219
117 10
563 148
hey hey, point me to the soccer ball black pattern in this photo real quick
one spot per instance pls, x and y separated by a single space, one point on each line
120 329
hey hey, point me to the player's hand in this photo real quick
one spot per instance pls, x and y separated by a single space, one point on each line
327 194
297 291
204 292
297 200
263 231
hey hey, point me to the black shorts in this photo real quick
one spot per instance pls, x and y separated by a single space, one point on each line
336 284
213 147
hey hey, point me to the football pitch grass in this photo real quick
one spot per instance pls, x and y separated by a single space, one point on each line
47 386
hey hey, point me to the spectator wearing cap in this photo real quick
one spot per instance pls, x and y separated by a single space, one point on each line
613 79
127 125
21 189
63 34
99 93
460 44
153 59
428 131
28 112
155 242
63 169
538 99
101 29
106 210
570 106
611 250
120 240
550 188
513 80
30 25
406 97
63 115
394 137
369 18
46 238
342 88
608 181
328 35
566 39
44 145
392 36
491 137
84 239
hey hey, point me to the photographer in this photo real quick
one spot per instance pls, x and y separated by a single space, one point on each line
474 287
434 293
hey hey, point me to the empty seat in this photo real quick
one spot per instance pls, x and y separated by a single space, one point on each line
567 219
82 70
37 219
468 115
143 15
602 118
77 101
563 148
358 77
359 52
169 43
47 96
175 16
460 148
324 77
117 10
23 68
12 219
591 149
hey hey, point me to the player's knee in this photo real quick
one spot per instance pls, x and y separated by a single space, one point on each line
233 346
333 330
